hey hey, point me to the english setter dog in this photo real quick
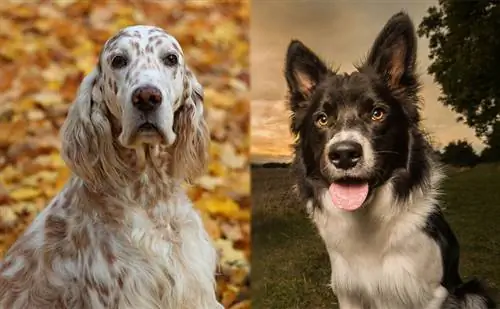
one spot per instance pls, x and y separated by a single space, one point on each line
122 233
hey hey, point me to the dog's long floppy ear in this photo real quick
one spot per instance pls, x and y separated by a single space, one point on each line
393 54
87 142
190 149
303 71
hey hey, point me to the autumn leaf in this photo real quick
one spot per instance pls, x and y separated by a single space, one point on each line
8 217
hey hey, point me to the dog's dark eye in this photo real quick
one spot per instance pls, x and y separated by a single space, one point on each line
119 61
378 114
170 60
321 119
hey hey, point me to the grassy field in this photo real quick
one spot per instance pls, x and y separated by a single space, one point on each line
290 268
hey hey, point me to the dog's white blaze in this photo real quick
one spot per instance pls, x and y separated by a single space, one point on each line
368 160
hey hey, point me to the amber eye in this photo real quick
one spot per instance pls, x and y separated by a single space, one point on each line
321 119
378 114
119 62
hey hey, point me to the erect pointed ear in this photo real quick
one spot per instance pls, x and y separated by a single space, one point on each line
393 54
303 69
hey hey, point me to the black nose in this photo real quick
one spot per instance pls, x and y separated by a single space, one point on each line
345 155
146 98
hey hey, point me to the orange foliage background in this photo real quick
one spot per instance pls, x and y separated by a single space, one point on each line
45 50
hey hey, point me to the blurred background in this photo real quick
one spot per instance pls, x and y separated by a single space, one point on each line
46 49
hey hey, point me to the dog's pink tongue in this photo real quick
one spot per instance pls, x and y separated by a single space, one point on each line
348 196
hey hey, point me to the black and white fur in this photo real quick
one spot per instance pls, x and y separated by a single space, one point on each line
396 251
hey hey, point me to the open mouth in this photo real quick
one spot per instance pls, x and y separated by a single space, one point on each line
349 193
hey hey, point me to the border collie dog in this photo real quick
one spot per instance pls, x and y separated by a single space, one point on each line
365 170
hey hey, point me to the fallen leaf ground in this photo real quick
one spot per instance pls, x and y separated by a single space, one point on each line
46 47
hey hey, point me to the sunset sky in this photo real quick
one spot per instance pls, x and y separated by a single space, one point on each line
341 32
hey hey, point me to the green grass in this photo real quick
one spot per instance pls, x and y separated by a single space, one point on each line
290 267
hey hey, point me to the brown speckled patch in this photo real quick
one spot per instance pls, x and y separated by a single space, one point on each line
56 228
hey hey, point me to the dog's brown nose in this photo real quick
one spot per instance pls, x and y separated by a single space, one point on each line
146 98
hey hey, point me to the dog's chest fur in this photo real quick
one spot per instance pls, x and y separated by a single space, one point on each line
390 262
161 258
176 253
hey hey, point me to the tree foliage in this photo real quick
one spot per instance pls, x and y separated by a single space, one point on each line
492 152
464 41
459 153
